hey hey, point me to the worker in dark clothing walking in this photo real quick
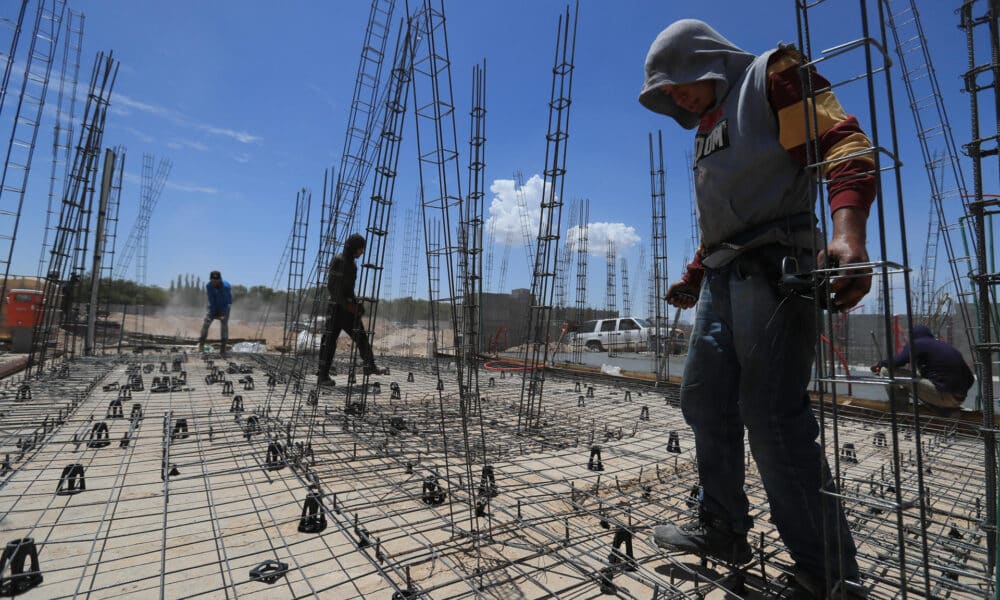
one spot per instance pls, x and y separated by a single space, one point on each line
945 378
344 311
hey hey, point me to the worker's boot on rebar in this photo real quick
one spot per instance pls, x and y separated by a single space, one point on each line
706 536
371 369
324 380
222 350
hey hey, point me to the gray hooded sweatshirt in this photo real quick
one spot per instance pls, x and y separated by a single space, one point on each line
750 191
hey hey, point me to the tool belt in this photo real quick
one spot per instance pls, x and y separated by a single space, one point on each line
794 231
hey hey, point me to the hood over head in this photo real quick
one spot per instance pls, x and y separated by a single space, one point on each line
354 242
687 51
922 331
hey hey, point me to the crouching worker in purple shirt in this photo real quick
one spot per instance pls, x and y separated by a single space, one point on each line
945 378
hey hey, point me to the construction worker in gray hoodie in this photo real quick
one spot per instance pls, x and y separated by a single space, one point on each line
752 348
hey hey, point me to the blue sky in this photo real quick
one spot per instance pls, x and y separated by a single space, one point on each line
250 100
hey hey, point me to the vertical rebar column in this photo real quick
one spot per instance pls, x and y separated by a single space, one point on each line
472 294
152 187
940 155
490 248
62 131
524 218
296 266
982 80
565 263
100 240
110 242
658 195
581 273
610 295
504 263
437 150
24 130
15 26
472 227
865 62
626 296
549 222
382 194
75 201
358 152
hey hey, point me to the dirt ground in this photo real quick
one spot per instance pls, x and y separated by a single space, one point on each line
389 339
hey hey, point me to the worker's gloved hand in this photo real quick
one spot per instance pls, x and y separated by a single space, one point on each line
682 294
876 368
361 309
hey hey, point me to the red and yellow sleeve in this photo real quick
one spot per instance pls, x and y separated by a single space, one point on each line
844 148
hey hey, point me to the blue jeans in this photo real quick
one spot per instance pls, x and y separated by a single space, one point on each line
223 327
749 365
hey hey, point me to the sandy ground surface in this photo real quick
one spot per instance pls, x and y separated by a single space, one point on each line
389 339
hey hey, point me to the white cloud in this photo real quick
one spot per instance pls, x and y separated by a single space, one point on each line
180 144
141 136
504 211
242 158
240 136
180 119
152 109
191 187
599 234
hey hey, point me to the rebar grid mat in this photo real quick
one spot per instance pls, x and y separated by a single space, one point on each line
200 479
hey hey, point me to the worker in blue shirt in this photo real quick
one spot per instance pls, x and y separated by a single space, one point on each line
220 299
945 378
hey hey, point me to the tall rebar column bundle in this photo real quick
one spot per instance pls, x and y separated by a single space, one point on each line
296 290
490 246
152 187
982 84
907 501
581 272
370 270
59 286
342 187
439 168
658 195
62 131
110 242
565 263
611 279
358 152
45 36
949 202
409 280
442 203
14 26
626 295
549 222
279 274
524 218
508 241
472 229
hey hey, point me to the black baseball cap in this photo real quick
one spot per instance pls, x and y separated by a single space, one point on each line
215 275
